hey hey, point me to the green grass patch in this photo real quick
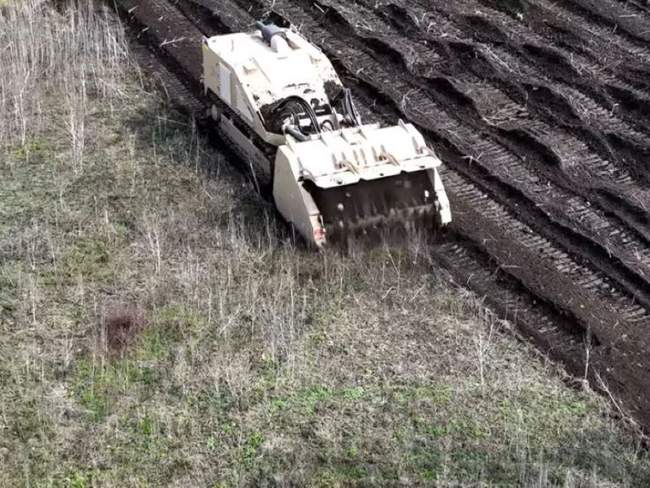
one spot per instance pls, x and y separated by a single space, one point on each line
98 387
252 447
78 479
169 326
314 399
91 258
28 422
439 433
35 150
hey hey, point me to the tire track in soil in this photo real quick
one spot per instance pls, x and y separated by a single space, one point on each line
579 34
179 96
620 165
171 37
614 14
580 308
613 82
619 141
507 112
505 32
642 140
624 85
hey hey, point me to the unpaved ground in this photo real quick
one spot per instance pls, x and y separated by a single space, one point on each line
540 112
158 326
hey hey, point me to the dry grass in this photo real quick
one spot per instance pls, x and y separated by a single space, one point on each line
74 56
157 326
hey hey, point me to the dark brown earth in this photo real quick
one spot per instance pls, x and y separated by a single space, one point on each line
541 113
122 324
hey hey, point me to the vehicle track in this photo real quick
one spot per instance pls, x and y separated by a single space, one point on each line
523 46
615 14
580 34
573 161
564 303
505 165
426 105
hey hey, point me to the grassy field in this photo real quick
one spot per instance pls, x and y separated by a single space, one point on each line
159 328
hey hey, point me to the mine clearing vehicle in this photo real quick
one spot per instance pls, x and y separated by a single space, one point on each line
277 99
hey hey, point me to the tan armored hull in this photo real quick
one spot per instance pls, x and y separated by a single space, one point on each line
277 94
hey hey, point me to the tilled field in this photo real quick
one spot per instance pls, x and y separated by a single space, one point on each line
541 113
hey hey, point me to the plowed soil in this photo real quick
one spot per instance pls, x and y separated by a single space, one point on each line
541 113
